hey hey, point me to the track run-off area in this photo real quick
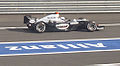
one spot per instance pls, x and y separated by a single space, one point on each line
11 33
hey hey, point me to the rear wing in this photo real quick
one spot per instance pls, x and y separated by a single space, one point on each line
26 19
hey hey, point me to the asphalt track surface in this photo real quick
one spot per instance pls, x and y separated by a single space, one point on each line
26 35
76 59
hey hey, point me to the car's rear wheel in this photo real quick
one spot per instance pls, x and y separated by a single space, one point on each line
40 27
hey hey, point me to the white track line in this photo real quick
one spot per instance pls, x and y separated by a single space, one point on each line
117 24
112 64
117 38
61 12
69 2
3 28
67 7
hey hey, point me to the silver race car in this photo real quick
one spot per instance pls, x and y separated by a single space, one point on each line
53 22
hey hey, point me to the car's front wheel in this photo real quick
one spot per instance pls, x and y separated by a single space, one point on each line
40 27
90 26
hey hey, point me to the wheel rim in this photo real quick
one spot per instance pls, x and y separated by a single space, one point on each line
91 26
40 27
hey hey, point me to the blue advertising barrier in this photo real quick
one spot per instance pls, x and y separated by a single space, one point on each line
52 47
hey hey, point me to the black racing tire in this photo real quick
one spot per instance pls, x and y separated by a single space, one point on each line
91 27
40 27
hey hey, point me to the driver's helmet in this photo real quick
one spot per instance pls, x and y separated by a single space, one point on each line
56 12
62 18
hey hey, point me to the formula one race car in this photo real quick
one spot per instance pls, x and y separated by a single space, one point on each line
53 22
